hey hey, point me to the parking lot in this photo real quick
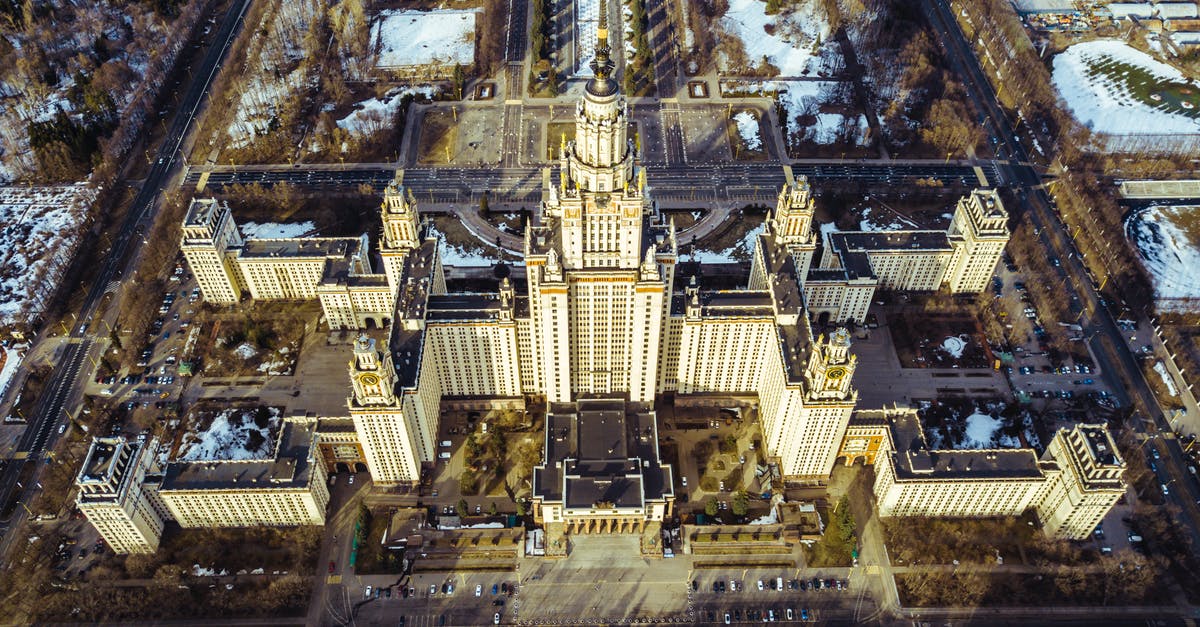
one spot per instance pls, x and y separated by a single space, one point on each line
154 380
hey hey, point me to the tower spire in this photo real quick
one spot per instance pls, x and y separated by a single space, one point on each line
602 31
602 83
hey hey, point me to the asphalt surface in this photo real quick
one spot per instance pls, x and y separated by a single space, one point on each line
1104 336
707 182
63 384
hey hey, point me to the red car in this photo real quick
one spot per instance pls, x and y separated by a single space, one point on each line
332 567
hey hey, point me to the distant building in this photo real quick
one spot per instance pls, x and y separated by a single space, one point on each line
1071 486
114 497
1176 10
1038 7
1126 10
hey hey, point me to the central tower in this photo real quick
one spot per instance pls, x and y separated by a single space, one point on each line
600 158
601 263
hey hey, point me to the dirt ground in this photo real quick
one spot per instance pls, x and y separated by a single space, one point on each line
919 341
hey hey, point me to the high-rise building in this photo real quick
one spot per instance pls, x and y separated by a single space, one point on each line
115 497
1071 486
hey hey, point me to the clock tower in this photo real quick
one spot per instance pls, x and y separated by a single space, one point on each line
371 374
830 368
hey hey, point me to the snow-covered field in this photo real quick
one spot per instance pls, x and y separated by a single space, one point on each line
376 114
276 230
1086 76
12 359
739 252
38 237
747 126
1170 254
228 437
788 39
406 38
801 99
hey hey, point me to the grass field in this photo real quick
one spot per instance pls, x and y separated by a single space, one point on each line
1144 86
439 134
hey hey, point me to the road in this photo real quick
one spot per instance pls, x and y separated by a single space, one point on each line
63 385
678 181
1118 364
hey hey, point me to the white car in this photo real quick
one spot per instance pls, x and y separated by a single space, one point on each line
760 584
351 481
496 618
478 590
367 595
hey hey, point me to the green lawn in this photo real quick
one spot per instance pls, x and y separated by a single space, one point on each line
1144 86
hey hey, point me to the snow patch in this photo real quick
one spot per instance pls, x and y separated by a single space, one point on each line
406 38
789 40
1161 369
276 230
376 114
747 126
228 437
739 252
955 346
245 351
981 431
1170 254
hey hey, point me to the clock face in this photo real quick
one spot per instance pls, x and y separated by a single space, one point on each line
368 379
835 373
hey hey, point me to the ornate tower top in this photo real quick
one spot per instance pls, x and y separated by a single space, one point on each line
602 83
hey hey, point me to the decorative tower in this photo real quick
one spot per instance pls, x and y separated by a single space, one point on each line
792 224
372 374
830 368
978 233
600 265
210 241
600 158
401 229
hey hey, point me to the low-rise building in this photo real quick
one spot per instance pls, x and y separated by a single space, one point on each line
286 489
602 472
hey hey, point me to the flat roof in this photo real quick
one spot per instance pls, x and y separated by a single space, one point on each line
885 241
200 211
736 304
1101 446
912 460
601 451
306 247
288 470
464 306
1044 6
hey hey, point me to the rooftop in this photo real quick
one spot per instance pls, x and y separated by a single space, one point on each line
200 212
289 469
736 304
463 307
601 452
914 461
884 241
310 247
1101 446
